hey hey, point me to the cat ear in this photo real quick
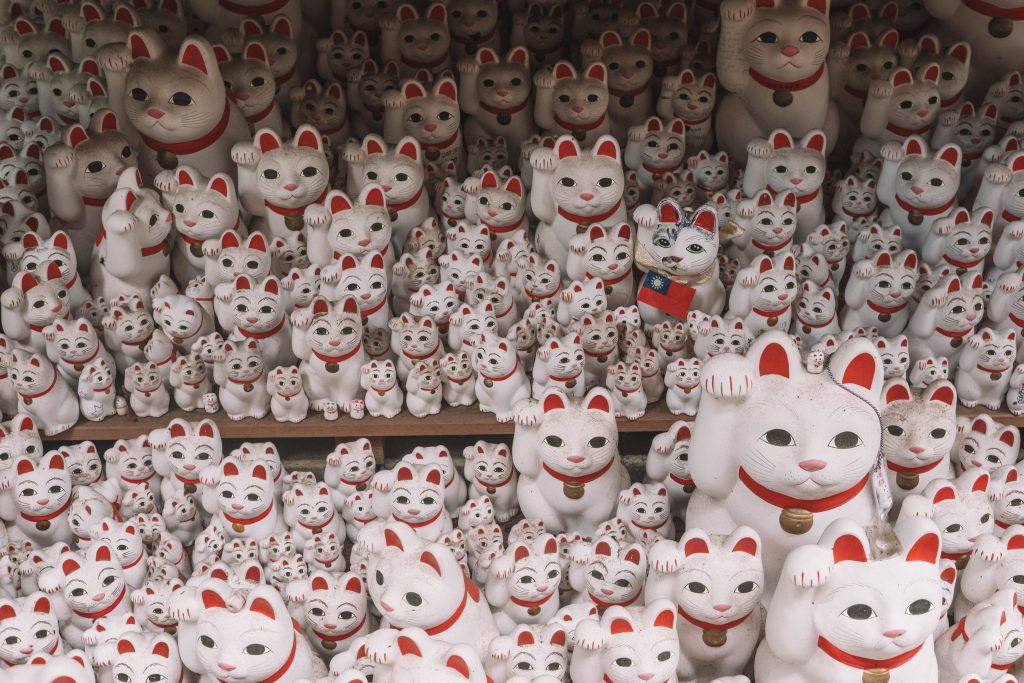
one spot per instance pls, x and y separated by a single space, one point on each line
814 140
945 491
271 285
695 542
774 356
1010 436
607 146
780 139
198 55
621 626
446 87
942 392
412 89
257 242
597 71
428 558
145 45
567 147
518 55
563 70
409 147
282 26
849 548
745 540
514 185
951 154
669 211
598 399
486 55
553 401
705 219
895 390
901 77
261 606
308 137
927 548
373 144
931 73
267 139
76 135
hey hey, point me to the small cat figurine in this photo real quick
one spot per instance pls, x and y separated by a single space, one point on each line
654 149
253 515
501 380
41 517
764 293
560 363
645 509
489 471
431 116
682 386
927 371
335 613
309 510
43 394
530 648
322 106
855 199
288 400
350 467
779 163
251 81
983 375
384 396
32 303
690 97
599 337
946 314
617 646
93 586
417 41
32 625
878 292
423 388
498 205
366 86
899 107
568 102
239 371
630 71
606 255
625 384
458 379
517 600
328 341
97 399
961 240
495 94
413 494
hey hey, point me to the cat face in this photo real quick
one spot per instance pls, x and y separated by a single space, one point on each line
500 205
892 280
257 651
143 377
204 212
190 447
962 305
244 490
894 354
437 303
291 175
580 99
910 596
415 337
123 538
494 356
423 40
19 91
598 334
961 509
237 256
347 52
586 297
545 28
503 84
451 201
684 372
663 146
914 103
536 572
684 245
76 341
474 240
46 295
563 356
477 512
336 604
630 64
174 98
312 504
870 61
490 463
39 253
967 237
30 373
29 626
722 335
817 305
93 581
769 43
572 451
609 253
335 330
278 42
362 227
721 578
634 642
925 182
993 350
83 463
417 494
323 107
380 375
432 117
983 442
364 279
917 429
375 82
472 322
797 167
250 80
538 278
775 286
243 361
954 67
588 184
857 197
399 171
647 505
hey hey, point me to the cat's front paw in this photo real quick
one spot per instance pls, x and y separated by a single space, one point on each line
809 566
245 154
737 10
545 78
998 174
12 299
892 151
543 159
759 148
881 89
60 156
393 100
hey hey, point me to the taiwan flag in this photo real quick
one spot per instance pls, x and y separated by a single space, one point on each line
666 295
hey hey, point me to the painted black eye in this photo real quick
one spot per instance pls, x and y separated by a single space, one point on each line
257 82
598 442
810 37
895 430
845 440
767 37
778 437
379 578
553 441
207 641
270 174
746 587
181 99
605 182
95 167
139 95
414 599
255 649
664 656
937 433
696 587
859 612
921 606
624 662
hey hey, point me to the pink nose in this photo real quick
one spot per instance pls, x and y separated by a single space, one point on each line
895 633
575 459
645 677
44 501
577 108
364 243
430 127
975 140
586 196
971 317
790 50
190 467
502 92
291 187
155 113
916 189
974 250
56 309
613 266
226 667
976 463
68 104
243 96
190 224
783 297
916 450
386 188
895 295
777 231
662 155
723 608
813 465
923 113
492 213
26 650
236 506
607 591
330 627
414 511
98 597
364 297
334 342
251 319
796 181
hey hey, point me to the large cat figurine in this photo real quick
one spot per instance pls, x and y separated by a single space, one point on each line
794 471
568 102
516 599
245 496
825 621
177 104
772 60
29 627
568 477
574 189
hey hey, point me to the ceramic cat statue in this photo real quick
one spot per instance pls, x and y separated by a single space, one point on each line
240 373
645 509
489 472
249 79
984 372
734 489
668 463
998 188
384 396
785 86
961 240
654 149
716 638
98 572
927 371
886 118
278 180
97 399
288 400
148 397
568 479
984 640
515 600
41 519
253 515
690 97
431 116
630 72
568 102
840 564
574 189
501 380
779 163
43 394
918 430
417 41
328 341
879 292
34 301
495 93
153 89
947 313
334 610
626 644
764 293
203 210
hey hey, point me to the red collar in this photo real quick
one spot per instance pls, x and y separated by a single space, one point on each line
952 99
459 380
426 356
47 517
592 354
580 126
265 8
418 525
293 211
317 527
476 41
863 663
906 132
413 64
781 500
367 312
1009 217
105 611
537 297
443 145
199 144
585 479
855 214
990 10
502 229
183 480
246 381
655 171
45 391
450 621
133 562
991 371
926 212
506 375
407 203
498 485
104 390
605 605
137 481
386 389
801 199
707 625
679 480
859 94
530 603
153 249
962 264
94 201
815 325
341 636
288 662
140 344
570 378
589 220
499 110
249 520
87 360
166 627
921 469
260 335
350 482
770 314
286 76
337 359
260 115
949 333
1019 322
607 283
40 328
886 309
628 93
954 556
689 123
771 247
790 86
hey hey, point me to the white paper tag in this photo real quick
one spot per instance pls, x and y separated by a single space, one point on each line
880 489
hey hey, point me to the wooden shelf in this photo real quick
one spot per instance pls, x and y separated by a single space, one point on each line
462 421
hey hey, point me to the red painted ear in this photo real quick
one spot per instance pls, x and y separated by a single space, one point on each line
902 77
261 606
69 567
411 150
848 548
696 546
407 646
212 599
457 663
373 146
192 55
860 371
746 545
621 626
77 135
42 606
668 212
945 394
567 148
897 392
552 402
253 575
766 264
608 148
428 559
773 361
706 220
925 549
816 142
598 402
943 494
319 583
446 88
6 612
525 638
596 71
260 472
980 484
818 5
665 619
309 139
162 650
780 140
391 540
230 469
125 647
